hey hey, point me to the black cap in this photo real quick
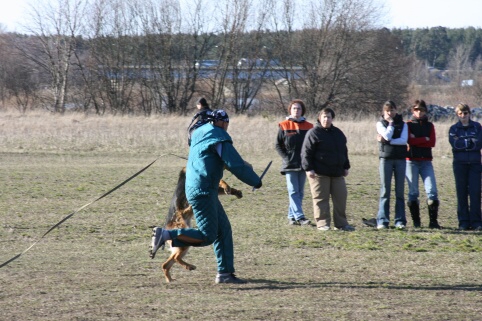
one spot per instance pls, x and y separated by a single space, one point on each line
220 114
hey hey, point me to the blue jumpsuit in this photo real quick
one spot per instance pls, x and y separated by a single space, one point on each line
203 173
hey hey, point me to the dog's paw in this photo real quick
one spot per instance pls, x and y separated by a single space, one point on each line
190 267
237 193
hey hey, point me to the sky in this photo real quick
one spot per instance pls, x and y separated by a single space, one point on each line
433 13
400 13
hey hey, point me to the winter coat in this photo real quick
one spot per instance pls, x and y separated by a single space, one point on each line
466 142
290 138
205 167
324 151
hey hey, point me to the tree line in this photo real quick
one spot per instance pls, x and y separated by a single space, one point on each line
151 56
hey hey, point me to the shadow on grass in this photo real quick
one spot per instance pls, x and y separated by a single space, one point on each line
276 285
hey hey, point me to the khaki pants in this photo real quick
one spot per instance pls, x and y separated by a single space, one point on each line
321 189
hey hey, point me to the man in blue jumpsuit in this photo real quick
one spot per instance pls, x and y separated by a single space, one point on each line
211 151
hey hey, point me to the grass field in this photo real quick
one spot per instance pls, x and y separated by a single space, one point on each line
95 266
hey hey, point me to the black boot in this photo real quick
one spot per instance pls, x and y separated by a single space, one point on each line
415 212
433 213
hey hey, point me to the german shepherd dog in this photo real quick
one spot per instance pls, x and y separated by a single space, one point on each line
180 215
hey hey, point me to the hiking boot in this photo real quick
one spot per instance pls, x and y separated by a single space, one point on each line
156 242
304 221
230 278
323 228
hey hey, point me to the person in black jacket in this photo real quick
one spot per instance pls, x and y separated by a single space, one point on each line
392 140
465 137
202 117
291 133
324 157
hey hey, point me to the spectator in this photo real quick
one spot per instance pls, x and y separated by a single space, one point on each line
466 139
291 134
392 139
200 118
324 157
421 140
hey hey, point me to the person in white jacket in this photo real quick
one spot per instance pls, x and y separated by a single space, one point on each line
392 140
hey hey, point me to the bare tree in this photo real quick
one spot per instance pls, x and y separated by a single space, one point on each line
459 64
54 27
336 56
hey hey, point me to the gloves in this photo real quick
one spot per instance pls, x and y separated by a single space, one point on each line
259 185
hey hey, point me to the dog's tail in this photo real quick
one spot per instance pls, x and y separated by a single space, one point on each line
178 200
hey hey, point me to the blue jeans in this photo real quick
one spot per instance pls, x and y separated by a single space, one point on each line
426 172
389 168
467 184
295 182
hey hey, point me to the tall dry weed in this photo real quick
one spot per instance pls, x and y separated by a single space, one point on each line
45 132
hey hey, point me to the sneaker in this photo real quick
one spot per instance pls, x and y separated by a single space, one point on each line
292 221
323 228
156 241
304 221
478 228
230 278
347 228
382 227
400 226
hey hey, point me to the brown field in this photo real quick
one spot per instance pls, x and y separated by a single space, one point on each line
95 266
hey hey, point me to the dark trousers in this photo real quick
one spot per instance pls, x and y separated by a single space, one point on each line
467 184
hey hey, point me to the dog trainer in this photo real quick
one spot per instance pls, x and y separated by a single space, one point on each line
211 151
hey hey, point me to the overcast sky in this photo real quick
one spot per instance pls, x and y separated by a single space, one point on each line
401 13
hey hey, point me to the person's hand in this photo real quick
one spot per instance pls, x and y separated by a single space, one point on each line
311 174
412 136
381 139
347 171
427 138
259 185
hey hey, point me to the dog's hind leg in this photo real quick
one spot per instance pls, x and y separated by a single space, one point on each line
178 257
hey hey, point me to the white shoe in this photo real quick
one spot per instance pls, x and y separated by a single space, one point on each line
381 227
323 228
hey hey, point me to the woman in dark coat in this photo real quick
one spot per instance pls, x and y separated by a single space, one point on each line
324 157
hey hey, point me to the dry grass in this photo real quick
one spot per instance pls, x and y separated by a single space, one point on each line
96 266
94 134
